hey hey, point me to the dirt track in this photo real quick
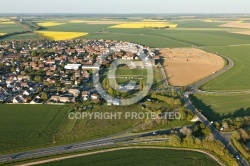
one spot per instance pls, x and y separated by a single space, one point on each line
122 148
185 66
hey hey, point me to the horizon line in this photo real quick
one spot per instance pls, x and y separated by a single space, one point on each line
122 13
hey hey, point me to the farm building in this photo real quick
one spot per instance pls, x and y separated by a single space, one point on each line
90 67
72 66
78 66
74 92
113 102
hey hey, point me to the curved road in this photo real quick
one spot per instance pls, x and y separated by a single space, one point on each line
111 140
211 77
216 133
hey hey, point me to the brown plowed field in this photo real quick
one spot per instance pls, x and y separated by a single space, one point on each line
185 66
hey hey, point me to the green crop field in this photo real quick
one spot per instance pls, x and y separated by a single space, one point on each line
9 28
173 37
197 24
25 126
205 34
77 27
126 74
144 39
26 36
101 31
220 106
238 77
131 72
205 37
145 157
158 79
87 128
147 31
136 75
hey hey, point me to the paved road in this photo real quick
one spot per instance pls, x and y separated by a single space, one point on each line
216 133
110 140
209 78
78 146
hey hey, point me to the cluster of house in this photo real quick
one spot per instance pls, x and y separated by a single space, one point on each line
70 95
62 69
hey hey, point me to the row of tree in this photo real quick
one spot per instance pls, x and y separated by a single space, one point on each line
199 136
232 124
113 92
239 139
14 33
169 100
208 143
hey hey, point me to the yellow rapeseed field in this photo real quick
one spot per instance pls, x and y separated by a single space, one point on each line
97 22
78 21
4 19
7 22
1 34
55 35
145 25
49 24
208 20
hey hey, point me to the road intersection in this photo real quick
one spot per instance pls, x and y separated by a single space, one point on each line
109 141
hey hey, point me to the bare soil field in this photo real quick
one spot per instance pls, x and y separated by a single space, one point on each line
243 32
236 24
185 66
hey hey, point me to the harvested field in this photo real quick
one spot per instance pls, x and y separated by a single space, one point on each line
185 66
236 24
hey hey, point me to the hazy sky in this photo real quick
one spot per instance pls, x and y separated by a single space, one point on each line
125 6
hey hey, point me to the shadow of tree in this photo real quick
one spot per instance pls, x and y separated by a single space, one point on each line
42 28
161 61
240 113
205 109
212 115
